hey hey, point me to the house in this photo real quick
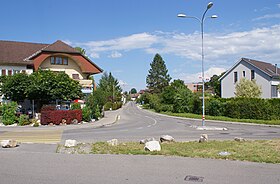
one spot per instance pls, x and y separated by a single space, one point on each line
195 86
266 75
27 57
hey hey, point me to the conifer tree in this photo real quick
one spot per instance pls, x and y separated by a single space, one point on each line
158 77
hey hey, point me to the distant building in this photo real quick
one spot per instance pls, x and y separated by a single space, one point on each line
195 87
266 75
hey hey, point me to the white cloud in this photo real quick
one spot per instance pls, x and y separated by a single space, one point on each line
258 43
197 77
115 54
268 16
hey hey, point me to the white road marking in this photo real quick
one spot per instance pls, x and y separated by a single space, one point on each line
155 121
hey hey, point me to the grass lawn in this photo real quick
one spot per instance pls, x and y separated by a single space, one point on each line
255 151
223 118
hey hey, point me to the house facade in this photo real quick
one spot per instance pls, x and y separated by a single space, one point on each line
27 57
265 74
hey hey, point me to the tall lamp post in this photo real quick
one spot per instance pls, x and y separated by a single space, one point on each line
201 21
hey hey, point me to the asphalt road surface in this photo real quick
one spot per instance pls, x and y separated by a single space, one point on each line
39 164
135 124
51 168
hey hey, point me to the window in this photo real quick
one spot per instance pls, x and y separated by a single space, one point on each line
10 72
235 77
75 76
244 74
65 61
52 60
252 74
23 71
274 92
59 60
3 72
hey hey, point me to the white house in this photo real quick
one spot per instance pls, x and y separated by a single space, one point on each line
266 75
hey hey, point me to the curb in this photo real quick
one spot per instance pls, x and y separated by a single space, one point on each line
214 121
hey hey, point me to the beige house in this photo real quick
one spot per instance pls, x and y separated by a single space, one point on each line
28 57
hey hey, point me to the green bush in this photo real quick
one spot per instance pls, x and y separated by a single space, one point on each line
75 106
23 120
215 107
9 113
249 108
108 106
87 114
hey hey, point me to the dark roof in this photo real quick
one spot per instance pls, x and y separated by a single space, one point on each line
16 52
268 68
60 46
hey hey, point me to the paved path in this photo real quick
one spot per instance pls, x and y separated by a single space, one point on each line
45 168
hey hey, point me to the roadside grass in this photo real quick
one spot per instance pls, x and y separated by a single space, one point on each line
267 151
223 118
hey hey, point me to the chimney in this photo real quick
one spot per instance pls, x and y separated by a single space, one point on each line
276 69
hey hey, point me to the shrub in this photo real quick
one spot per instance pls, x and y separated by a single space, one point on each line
86 113
56 116
108 106
23 120
9 113
75 106
215 107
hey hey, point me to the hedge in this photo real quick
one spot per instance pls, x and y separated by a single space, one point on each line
56 116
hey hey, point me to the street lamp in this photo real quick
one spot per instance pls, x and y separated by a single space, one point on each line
201 21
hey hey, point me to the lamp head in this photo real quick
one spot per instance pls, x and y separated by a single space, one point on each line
181 15
214 16
209 5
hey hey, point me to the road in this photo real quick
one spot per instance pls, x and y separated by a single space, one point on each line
38 163
44 168
135 124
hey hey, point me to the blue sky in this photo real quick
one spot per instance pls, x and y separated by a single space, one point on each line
122 36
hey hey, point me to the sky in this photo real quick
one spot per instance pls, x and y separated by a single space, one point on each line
123 36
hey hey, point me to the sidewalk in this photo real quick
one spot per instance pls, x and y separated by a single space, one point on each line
111 117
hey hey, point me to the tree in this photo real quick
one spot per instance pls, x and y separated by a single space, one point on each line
214 84
42 85
81 50
178 95
110 86
248 89
133 91
46 85
14 87
158 77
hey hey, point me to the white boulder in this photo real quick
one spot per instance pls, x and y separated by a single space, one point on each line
9 143
166 138
152 146
203 138
70 143
113 142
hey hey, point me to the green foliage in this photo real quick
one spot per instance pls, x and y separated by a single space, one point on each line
247 89
43 85
81 50
23 120
215 107
249 108
75 106
110 87
214 85
14 87
154 102
87 114
9 113
158 77
133 91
